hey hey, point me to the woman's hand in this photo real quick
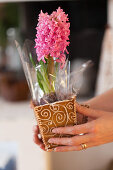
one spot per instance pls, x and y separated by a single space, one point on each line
96 132
36 133
37 138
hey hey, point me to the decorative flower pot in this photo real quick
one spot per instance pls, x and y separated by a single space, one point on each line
57 114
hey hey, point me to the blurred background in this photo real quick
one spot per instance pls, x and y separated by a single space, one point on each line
91 38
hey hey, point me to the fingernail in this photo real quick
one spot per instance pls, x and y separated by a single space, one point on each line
54 149
50 140
54 131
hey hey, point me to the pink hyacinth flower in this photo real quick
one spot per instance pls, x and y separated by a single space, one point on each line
52 36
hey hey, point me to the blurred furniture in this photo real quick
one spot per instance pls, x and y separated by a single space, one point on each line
12 86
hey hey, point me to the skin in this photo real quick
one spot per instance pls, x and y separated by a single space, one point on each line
96 132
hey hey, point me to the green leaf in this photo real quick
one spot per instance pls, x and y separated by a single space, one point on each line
41 75
42 83
43 66
45 87
43 70
32 61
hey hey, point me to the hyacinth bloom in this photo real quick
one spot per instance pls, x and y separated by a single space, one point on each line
52 39
52 36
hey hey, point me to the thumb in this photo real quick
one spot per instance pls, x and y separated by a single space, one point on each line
88 112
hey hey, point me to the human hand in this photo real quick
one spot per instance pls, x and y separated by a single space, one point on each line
36 137
96 132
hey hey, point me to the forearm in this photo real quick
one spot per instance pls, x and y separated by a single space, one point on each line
102 102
